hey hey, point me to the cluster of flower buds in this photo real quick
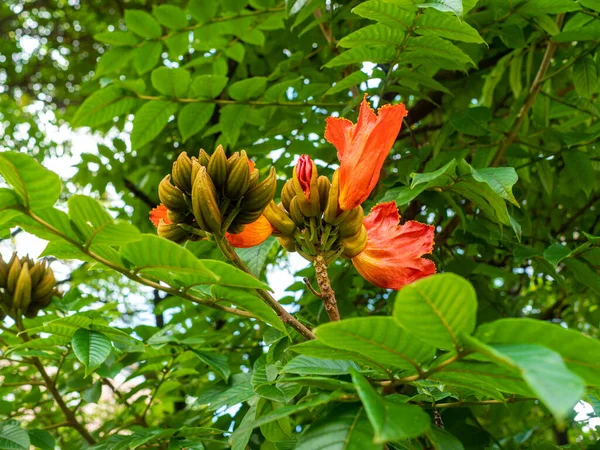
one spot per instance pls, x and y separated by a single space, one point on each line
308 219
212 194
26 287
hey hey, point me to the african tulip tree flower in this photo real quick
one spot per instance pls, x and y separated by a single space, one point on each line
362 149
392 256
158 213
253 234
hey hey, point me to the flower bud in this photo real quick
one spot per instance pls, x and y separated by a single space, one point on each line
176 217
182 172
204 203
254 175
203 158
22 294
353 245
330 215
324 186
258 197
279 219
217 168
13 274
246 217
305 178
45 288
195 169
352 223
238 178
296 213
287 194
288 243
3 272
172 232
171 196
37 272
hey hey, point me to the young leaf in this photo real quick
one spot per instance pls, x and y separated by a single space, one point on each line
146 56
248 88
207 86
437 309
170 16
91 348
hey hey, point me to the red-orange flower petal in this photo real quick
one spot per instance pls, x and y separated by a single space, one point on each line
392 256
253 234
160 212
362 149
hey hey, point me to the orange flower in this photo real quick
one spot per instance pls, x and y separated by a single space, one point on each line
392 257
253 234
362 149
160 212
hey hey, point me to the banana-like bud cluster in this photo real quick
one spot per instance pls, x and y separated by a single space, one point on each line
26 287
213 194
308 219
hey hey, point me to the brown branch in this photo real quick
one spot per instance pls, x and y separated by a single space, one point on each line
137 193
535 88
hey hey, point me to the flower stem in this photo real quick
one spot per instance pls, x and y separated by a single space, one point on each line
327 293
230 253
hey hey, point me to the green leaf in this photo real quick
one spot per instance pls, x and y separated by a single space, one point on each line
442 440
397 14
207 86
580 169
117 38
91 348
581 353
178 45
233 117
203 10
556 253
454 6
538 7
42 439
585 76
543 370
500 179
113 60
216 362
146 57
193 118
437 48
102 107
429 177
358 55
92 394
150 120
142 24
170 16
473 121
13 437
592 4
248 88
437 309
165 260
447 26
585 33
306 365
96 226
249 302
391 420
379 339
36 186
348 82
171 82
378 34
345 428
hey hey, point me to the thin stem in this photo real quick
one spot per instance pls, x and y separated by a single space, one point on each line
51 386
158 385
327 293
536 86
461 404
219 101
229 252
134 276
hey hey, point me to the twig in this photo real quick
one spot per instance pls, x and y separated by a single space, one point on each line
311 288
229 252
536 86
